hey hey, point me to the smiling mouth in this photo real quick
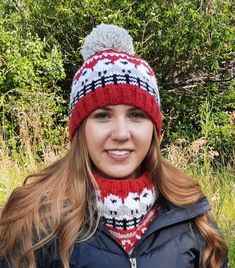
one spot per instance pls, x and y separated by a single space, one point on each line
119 153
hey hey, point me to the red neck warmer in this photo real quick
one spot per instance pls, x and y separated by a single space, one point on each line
126 207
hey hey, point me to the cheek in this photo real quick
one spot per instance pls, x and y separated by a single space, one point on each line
88 134
95 136
145 135
90 137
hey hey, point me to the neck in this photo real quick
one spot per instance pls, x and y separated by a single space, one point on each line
135 175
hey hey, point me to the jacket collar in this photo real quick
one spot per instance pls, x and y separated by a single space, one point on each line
171 214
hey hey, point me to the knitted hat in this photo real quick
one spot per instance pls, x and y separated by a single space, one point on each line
112 75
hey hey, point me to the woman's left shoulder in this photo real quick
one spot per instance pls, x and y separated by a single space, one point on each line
187 233
189 243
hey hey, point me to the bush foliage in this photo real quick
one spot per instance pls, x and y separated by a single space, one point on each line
188 43
29 109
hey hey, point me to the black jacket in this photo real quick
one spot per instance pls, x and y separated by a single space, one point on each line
170 241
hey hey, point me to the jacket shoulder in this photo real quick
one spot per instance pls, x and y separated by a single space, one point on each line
48 256
4 264
187 233
189 242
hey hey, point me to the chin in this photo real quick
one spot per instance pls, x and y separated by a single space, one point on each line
119 175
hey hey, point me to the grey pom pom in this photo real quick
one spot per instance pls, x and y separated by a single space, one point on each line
107 36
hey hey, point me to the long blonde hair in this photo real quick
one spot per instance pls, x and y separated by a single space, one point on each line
59 203
182 190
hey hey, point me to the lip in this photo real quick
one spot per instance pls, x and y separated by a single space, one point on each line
119 149
120 157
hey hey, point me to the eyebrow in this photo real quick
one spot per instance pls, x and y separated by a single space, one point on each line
108 108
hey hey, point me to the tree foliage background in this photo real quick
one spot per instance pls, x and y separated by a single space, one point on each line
189 44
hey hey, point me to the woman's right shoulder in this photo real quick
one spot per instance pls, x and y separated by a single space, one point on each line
45 257
4 264
48 256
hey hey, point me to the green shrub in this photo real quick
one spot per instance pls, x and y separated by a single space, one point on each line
31 105
217 127
188 43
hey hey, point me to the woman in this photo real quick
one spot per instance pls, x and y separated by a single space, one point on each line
112 201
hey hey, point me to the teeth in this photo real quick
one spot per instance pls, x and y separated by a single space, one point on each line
119 153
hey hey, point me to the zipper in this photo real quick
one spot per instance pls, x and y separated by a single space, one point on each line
132 258
133 262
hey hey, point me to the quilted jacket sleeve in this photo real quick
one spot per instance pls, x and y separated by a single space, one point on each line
45 257
4 264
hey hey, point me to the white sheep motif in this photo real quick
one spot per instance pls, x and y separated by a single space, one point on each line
112 203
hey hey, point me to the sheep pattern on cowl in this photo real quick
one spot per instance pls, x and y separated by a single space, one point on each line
126 207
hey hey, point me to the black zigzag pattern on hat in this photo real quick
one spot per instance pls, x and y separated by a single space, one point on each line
110 80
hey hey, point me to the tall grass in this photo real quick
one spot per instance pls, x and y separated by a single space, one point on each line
217 183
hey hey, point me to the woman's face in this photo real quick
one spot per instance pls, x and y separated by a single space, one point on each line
118 139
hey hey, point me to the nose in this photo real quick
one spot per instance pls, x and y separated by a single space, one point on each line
120 130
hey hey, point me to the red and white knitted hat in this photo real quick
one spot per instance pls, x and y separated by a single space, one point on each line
112 75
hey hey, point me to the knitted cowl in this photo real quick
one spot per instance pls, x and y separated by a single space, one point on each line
126 207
